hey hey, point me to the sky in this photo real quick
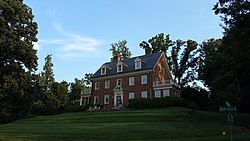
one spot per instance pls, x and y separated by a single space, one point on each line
78 33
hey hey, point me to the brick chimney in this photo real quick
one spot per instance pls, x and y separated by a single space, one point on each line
148 51
117 57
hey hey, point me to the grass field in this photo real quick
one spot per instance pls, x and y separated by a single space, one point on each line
171 124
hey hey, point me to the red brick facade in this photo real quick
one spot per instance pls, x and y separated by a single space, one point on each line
159 73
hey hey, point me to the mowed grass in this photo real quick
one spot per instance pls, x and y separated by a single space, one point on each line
170 124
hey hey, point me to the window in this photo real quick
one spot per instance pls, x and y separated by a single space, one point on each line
118 82
96 100
97 85
106 99
158 94
131 95
144 79
144 94
107 84
119 68
166 93
137 65
131 81
103 71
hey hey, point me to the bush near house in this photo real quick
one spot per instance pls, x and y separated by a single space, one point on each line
158 102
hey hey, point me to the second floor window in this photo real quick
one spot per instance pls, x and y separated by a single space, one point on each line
119 82
107 84
144 79
131 81
97 85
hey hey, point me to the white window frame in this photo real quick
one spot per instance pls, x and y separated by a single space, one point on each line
144 79
96 99
118 68
131 81
106 97
117 80
97 85
103 71
166 93
131 95
144 94
157 94
107 84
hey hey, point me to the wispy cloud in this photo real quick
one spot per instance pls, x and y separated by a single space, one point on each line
73 46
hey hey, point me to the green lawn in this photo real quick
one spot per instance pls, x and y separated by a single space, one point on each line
170 124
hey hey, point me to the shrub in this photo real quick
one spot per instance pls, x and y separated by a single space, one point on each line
157 102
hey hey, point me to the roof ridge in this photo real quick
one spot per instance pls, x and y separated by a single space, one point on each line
134 57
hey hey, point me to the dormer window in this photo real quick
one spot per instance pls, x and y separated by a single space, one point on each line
103 71
119 68
138 63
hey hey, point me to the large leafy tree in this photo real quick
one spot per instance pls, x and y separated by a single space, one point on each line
18 58
121 49
76 88
182 65
231 78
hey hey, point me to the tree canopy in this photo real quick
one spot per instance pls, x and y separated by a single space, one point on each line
18 58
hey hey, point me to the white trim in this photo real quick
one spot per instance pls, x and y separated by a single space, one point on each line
103 72
157 94
107 84
117 80
97 84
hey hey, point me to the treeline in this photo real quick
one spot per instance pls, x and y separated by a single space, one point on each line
222 65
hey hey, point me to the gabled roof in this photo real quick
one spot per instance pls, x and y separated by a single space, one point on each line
149 63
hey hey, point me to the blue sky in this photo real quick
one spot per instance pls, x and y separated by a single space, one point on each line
78 33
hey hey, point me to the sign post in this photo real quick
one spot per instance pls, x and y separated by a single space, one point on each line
229 109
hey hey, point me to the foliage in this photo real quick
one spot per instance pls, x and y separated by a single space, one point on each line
75 107
87 78
197 96
18 59
157 102
183 66
225 69
76 88
47 74
158 43
121 49
184 69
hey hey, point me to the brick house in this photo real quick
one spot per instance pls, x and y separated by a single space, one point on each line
147 76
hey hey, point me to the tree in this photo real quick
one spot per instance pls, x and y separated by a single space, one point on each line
87 78
18 59
231 78
76 88
121 49
158 43
60 90
182 66
184 69
47 74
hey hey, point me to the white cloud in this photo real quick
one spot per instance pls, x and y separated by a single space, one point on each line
73 46
36 46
